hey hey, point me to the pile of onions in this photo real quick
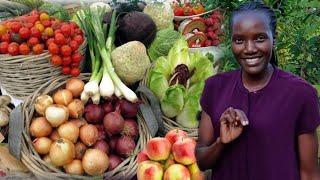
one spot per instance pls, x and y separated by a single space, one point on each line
40 127
75 167
89 134
75 86
69 131
63 97
62 152
42 145
95 162
42 102
56 114
76 108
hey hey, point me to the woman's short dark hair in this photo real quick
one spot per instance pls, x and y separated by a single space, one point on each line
260 7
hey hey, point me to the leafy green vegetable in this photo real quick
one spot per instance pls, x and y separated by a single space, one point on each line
55 10
161 14
188 117
163 42
172 103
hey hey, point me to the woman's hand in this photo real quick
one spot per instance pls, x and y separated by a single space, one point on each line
232 122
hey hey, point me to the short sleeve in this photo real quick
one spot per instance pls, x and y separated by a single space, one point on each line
309 117
205 100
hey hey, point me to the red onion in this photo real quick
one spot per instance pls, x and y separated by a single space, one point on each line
113 123
128 109
112 143
108 107
93 113
101 132
130 128
114 161
125 146
102 145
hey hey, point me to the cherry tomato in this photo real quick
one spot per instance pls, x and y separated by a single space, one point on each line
37 49
4 47
56 24
53 48
198 9
44 16
57 31
66 70
74 45
33 41
77 57
28 25
3 29
35 32
178 11
66 61
79 39
49 31
65 50
75 72
78 31
40 27
46 23
15 27
13 49
24 49
60 39
187 11
6 38
73 25
75 65
24 33
56 60
49 41
66 30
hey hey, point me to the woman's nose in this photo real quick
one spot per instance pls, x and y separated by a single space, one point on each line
250 47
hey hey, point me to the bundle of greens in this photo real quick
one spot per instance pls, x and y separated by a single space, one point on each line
178 80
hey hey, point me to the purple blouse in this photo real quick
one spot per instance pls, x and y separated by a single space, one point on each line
267 149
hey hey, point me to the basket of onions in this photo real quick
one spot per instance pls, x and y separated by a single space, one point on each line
65 138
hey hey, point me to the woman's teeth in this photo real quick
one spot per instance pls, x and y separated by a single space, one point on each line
252 61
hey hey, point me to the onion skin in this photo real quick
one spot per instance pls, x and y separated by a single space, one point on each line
125 146
62 152
102 145
62 97
69 131
89 134
128 109
93 113
75 167
114 161
95 162
79 122
54 135
80 150
130 128
76 86
113 123
57 114
113 144
108 107
42 102
40 127
42 145
76 108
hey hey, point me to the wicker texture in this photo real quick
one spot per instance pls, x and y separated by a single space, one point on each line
42 170
21 75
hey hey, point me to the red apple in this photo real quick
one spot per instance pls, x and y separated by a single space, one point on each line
142 156
149 170
158 149
175 134
170 161
177 172
184 151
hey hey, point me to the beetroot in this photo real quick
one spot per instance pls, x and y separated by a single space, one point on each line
93 113
112 143
130 128
113 123
125 146
102 145
108 107
128 109
114 161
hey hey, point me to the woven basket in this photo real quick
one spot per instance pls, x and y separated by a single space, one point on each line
42 170
21 75
168 123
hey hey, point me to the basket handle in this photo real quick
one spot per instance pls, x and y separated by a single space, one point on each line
152 111
15 132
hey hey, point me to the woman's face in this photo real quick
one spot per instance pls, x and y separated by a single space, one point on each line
252 41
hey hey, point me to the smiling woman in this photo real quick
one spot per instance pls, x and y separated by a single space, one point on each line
258 122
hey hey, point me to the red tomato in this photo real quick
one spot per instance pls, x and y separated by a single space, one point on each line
6 38
75 65
66 61
28 25
79 39
33 41
60 39
77 57
75 72
24 33
56 24
65 50
72 32
66 30
74 45
15 27
49 41
78 31
37 49
46 23
66 70
4 47
178 11
35 32
24 49
73 25
13 49
53 48
57 31
56 60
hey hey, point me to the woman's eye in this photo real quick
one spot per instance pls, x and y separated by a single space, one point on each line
260 39
238 41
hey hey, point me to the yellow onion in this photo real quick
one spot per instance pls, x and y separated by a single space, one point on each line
75 167
76 108
89 134
56 114
79 122
42 102
62 152
54 135
40 127
69 131
62 97
42 145
95 162
80 150
75 86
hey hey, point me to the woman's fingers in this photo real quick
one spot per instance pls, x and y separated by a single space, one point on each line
241 116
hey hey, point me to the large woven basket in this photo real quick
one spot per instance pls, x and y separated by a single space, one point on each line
21 75
42 170
168 124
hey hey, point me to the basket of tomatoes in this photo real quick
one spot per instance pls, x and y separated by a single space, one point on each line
35 48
